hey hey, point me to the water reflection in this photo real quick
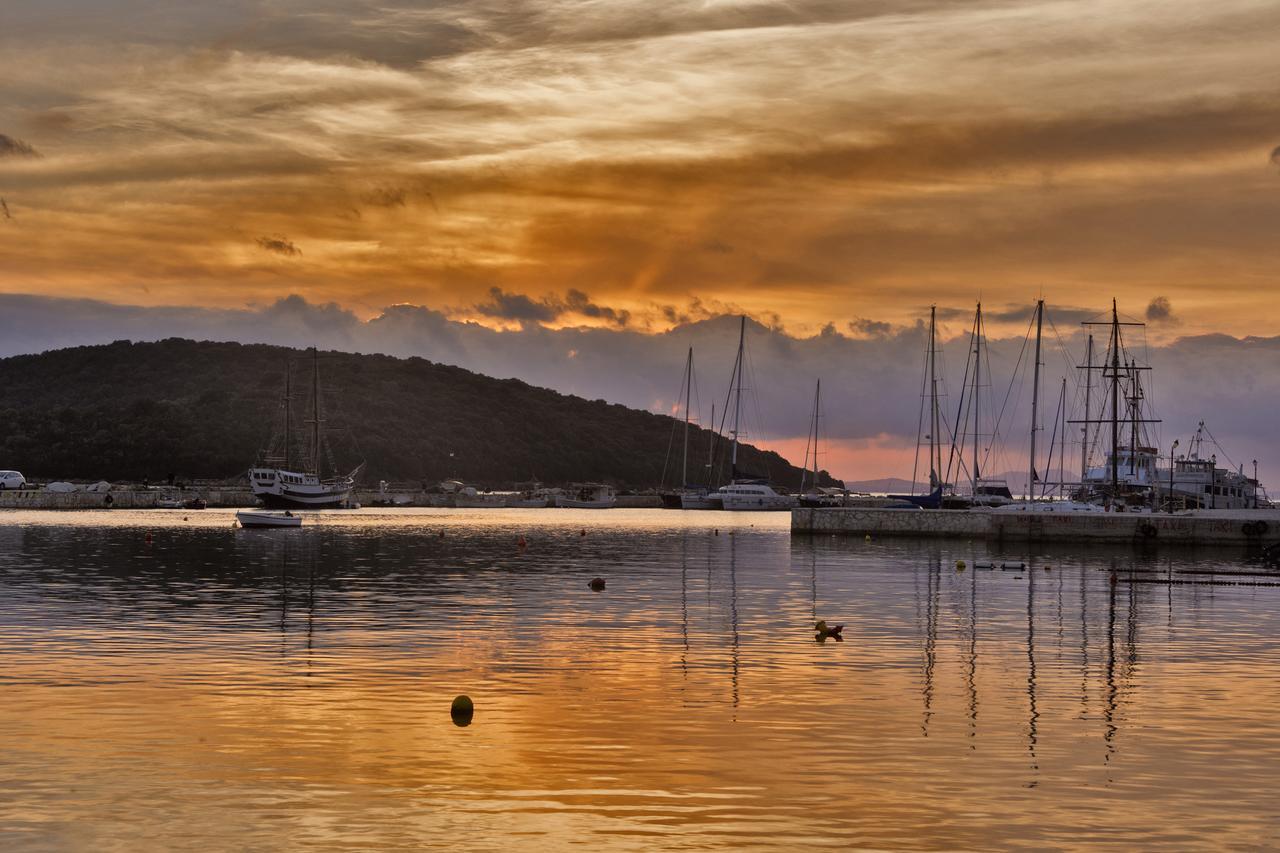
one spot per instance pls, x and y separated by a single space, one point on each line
232 685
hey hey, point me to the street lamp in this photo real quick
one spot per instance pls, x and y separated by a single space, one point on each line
1171 466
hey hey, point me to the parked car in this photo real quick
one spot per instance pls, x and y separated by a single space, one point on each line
12 480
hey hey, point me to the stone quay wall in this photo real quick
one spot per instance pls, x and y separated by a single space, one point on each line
1259 528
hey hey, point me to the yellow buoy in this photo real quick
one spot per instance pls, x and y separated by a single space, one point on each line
959 565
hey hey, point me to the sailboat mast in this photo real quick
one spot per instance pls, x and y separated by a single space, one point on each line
817 396
711 449
315 411
1035 399
1088 389
977 375
1115 401
934 447
688 390
1062 451
287 406
737 397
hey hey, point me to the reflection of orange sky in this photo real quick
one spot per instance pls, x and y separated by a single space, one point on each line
830 164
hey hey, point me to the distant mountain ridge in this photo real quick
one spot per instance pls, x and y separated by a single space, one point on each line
202 410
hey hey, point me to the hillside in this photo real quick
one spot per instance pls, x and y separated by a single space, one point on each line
201 410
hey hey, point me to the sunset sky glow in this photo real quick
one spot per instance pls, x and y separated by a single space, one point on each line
542 166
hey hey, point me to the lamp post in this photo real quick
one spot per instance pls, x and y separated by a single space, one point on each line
1171 466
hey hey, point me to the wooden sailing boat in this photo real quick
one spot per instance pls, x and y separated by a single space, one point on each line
280 480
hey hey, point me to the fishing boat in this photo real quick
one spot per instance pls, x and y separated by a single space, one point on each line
258 518
285 479
587 496
468 498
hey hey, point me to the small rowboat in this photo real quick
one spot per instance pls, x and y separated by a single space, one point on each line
254 518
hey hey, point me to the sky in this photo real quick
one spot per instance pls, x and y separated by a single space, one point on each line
514 181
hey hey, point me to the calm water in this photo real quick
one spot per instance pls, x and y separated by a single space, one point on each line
230 689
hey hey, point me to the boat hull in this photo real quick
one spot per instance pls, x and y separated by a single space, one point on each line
575 503
255 520
710 501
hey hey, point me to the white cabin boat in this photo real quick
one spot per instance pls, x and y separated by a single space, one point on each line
588 496
754 496
258 518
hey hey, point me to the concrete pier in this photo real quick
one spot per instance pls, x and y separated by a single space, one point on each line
1260 527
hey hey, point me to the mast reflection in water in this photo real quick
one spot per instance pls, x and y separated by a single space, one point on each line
251 689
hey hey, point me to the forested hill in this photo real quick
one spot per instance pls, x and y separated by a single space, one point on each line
202 410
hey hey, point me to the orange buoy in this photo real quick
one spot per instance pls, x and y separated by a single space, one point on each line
520 543
147 538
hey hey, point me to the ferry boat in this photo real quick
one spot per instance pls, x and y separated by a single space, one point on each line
282 480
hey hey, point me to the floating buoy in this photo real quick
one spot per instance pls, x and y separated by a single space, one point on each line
596 584
520 543
583 532
959 565
867 538
717 531
441 534
1047 568
147 537
462 710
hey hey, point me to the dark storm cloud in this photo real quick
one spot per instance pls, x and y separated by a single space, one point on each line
279 245
1160 310
871 378
11 147
517 306
524 309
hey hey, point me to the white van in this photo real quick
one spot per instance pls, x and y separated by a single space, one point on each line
12 480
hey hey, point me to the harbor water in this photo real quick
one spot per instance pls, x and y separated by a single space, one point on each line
207 687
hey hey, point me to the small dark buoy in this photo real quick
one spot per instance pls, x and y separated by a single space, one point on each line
184 518
520 543
462 710
596 584
441 534
147 537
583 532
717 531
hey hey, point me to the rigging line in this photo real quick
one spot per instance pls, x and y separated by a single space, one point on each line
924 382
675 424
960 410
1014 377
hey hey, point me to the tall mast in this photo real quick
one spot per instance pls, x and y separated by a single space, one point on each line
977 375
817 413
1115 401
287 406
1062 451
1088 389
934 449
1035 399
315 411
817 394
688 389
711 449
737 397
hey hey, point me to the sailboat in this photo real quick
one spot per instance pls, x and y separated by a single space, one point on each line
816 496
700 498
932 500
983 491
675 499
747 492
280 480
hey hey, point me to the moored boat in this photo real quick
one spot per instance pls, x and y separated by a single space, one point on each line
258 518
588 496
279 482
